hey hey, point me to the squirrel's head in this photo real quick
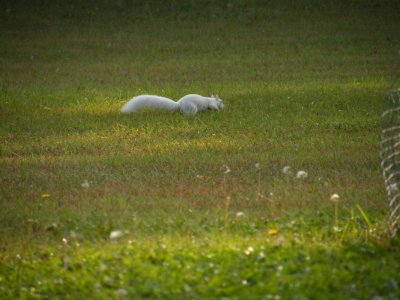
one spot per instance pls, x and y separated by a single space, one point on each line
217 103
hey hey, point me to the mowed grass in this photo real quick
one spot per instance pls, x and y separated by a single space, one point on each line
303 86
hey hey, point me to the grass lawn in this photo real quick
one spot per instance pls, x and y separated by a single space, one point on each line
95 204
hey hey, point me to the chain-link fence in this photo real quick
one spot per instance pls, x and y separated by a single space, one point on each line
390 155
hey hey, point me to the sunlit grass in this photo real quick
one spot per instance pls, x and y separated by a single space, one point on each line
95 204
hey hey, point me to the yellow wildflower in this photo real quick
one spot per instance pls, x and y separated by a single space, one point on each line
273 232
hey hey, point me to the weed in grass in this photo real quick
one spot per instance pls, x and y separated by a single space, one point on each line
335 200
259 194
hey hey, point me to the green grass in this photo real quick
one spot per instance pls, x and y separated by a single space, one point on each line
303 86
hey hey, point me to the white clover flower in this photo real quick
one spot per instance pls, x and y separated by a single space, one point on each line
257 165
287 170
239 214
337 229
249 250
116 234
301 174
261 255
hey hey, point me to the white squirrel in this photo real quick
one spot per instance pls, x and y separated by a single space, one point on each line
188 105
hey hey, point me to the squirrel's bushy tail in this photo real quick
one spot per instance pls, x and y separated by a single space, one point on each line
149 101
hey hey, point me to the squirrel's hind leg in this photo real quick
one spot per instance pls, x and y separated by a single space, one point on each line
189 110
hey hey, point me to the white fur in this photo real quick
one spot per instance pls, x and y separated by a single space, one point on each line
188 105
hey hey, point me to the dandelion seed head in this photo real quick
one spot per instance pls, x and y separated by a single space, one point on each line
287 170
116 234
334 198
122 292
301 174
85 184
